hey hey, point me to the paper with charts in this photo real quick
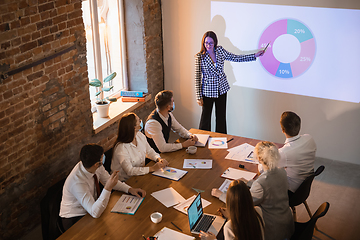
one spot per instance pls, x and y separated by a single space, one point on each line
182 207
218 143
167 233
243 152
170 173
202 139
225 185
234 174
198 163
168 196
127 204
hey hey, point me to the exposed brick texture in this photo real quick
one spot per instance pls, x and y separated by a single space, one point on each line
45 115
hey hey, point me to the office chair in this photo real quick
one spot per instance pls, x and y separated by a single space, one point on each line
305 231
51 223
302 193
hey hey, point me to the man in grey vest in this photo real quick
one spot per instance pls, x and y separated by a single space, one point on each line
161 121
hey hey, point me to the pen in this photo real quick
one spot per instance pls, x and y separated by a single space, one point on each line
176 226
249 154
230 140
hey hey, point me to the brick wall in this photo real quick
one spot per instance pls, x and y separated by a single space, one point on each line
45 115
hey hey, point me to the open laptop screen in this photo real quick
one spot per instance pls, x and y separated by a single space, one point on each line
195 211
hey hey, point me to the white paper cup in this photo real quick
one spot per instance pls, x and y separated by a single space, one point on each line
191 150
156 217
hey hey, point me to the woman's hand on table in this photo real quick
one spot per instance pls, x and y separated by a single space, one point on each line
207 236
216 192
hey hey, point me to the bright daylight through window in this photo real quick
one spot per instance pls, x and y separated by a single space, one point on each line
104 50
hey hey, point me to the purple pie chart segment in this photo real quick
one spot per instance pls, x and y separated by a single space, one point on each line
306 42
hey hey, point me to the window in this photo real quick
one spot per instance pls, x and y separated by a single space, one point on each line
103 21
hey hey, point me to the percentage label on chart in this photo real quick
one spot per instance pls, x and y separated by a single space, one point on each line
283 71
305 59
299 31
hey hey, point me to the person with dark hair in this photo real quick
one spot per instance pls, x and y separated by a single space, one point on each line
81 191
270 192
298 153
131 148
211 84
161 121
245 220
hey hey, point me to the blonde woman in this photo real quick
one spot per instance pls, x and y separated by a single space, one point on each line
270 192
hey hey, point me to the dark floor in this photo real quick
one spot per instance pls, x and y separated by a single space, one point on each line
339 185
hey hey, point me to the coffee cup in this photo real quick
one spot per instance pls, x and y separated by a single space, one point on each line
156 217
191 150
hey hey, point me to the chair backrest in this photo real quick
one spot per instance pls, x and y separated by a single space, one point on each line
108 158
50 208
302 193
308 230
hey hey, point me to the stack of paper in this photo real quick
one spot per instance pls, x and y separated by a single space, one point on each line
167 233
202 139
182 207
127 204
234 174
168 196
225 186
218 143
243 152
170 173
198 163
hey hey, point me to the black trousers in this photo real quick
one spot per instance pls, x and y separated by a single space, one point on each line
220 113
68 222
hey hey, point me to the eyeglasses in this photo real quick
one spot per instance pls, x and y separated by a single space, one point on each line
209 43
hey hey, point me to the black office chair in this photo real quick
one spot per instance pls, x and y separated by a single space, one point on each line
51 223
305 231
108 158
302 193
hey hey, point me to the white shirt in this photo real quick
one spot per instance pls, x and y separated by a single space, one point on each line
298 157
130 159
79 191
153 129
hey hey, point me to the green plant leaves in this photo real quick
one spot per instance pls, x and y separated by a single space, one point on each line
110 77
98 93
106 89
112 99
95 83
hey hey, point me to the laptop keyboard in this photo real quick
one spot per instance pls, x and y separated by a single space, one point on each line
205 223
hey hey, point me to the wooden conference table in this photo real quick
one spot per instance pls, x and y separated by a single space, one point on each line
132 227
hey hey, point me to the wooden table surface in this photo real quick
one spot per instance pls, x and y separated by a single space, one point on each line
132 227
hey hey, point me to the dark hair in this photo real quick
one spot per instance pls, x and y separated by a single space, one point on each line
163 98
91 154
245 220
208 34
126 128
290 123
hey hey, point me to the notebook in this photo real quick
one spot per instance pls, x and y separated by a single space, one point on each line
199 221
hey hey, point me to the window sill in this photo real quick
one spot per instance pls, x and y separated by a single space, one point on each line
117 109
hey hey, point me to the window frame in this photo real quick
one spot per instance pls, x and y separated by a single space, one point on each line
97 48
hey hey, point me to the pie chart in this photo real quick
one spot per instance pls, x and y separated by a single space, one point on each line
291 50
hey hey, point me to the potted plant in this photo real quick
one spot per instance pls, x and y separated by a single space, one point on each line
103 104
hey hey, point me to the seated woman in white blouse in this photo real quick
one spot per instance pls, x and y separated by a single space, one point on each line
245 220
131 148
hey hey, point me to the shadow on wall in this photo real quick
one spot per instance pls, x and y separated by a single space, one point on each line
238 101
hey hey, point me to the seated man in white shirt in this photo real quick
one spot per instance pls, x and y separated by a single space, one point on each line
298 153
161 121
81 192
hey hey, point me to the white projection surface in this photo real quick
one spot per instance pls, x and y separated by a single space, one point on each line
314 51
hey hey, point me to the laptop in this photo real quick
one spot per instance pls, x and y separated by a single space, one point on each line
199 221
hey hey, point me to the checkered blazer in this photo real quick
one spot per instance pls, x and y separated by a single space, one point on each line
213 81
